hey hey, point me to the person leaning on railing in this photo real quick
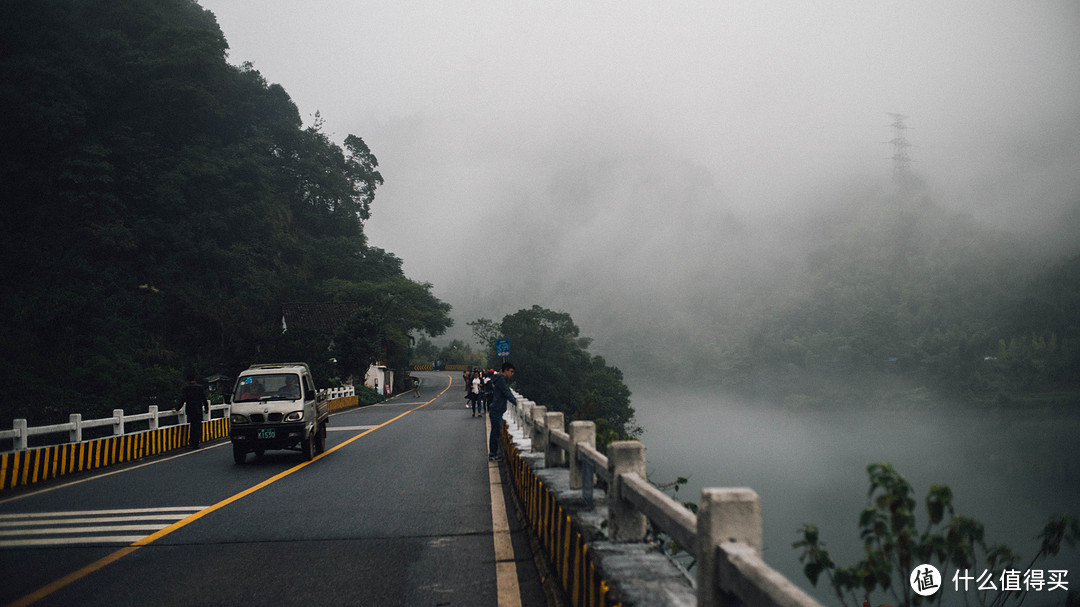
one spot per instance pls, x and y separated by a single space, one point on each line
500 394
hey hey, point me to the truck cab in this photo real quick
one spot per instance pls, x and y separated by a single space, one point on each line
275 406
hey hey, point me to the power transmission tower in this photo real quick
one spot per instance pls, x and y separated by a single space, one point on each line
901 159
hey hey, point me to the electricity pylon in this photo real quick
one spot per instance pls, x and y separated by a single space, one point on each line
901 159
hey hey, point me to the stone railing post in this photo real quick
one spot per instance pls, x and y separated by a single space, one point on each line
526 414
580 432
118 425
526 419
729 515
75 434
518 418
20 426
625 523
553 454
539 432
153 410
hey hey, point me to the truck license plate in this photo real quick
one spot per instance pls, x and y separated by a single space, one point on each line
266 433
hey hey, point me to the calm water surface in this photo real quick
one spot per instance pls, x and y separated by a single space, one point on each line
1008 469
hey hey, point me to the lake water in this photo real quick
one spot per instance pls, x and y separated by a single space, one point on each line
1009 469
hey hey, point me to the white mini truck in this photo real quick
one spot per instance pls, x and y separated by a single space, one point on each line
275 406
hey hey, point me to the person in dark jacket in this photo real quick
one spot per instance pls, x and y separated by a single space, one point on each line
500 394
193 398
485 387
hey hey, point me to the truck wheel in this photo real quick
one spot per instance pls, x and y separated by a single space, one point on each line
238 454
320 439
307 447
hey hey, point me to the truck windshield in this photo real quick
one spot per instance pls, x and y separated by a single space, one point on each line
276 386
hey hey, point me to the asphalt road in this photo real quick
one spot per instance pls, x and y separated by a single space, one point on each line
397 511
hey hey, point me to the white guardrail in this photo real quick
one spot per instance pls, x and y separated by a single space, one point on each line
725 537
76 424
21 432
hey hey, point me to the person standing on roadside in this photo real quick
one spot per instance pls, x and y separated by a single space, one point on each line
476 396
468 389
193 399
500 394
485 388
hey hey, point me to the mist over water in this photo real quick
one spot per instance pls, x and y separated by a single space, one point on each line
1009 470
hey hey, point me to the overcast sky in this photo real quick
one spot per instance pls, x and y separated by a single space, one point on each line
542 119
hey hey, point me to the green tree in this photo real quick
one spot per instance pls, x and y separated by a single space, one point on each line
359 343
161 205
458 352
556 370
485 332
396 308
424 352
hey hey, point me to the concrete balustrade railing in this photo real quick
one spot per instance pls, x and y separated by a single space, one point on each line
65 449
21 432
725 536
342 392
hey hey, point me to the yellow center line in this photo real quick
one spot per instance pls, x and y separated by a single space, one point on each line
70 578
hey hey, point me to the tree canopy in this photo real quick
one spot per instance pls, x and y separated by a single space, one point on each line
555 369
161 205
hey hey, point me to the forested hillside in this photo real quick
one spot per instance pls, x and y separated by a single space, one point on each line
161 205
902 299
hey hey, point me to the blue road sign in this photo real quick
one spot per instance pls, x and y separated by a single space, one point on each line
502 348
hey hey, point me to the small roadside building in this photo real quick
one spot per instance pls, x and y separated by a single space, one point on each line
378 377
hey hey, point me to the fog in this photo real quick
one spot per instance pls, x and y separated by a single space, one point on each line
617 161
651 167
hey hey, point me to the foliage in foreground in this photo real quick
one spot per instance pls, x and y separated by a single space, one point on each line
894 546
